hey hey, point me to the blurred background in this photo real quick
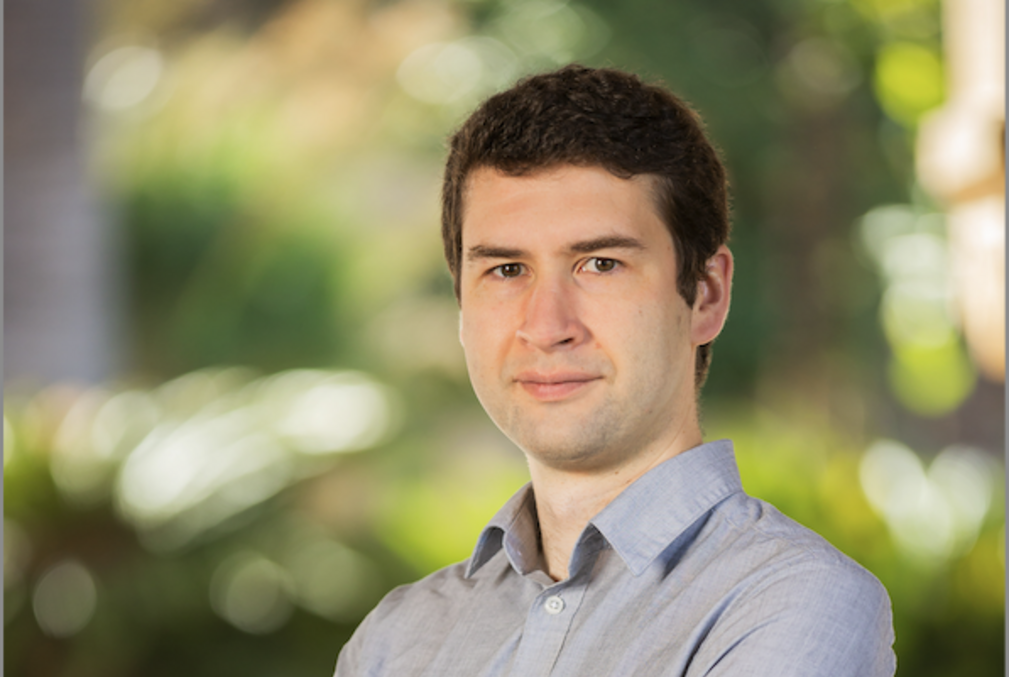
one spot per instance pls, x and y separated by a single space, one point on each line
236 409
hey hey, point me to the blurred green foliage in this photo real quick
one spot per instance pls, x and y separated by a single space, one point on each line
278 193
214 285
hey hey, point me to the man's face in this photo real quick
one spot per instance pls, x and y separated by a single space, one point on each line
577 342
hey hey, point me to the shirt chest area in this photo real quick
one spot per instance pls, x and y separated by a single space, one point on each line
602 621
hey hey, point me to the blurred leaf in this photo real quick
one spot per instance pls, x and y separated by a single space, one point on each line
909 81
931 380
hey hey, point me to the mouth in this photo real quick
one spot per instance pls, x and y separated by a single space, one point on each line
555 387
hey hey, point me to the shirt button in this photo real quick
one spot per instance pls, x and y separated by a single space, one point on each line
554 605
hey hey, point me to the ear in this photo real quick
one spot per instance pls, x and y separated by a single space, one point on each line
711 305
460 329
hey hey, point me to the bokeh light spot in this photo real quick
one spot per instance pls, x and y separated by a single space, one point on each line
909 81
209 445
332 580
65 599
440 73
818 71
934 514
251 592
556 31
917 315
337 414
124 77
931 380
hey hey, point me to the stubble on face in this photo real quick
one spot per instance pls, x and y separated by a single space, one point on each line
629 409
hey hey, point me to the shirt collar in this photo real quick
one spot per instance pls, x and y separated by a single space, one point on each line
660 505
639 523
516 528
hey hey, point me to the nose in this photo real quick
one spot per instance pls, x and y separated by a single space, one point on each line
551 320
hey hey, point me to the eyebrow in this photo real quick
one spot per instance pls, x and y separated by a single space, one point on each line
481 251
606 242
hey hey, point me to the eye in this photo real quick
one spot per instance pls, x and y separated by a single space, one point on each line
598 264
508 270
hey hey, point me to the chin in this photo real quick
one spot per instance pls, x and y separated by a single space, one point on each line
567 447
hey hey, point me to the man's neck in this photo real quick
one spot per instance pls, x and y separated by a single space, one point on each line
567 499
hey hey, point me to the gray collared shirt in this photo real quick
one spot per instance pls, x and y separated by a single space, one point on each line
681 574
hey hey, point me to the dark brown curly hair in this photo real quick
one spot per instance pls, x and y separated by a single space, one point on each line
599 117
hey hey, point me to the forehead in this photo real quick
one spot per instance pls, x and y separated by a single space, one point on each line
564 201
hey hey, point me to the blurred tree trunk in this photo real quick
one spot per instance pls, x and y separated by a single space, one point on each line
58 297
809 212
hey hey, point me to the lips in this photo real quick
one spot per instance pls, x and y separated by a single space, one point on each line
556 386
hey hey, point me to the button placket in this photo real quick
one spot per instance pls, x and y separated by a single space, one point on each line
553 605
547 625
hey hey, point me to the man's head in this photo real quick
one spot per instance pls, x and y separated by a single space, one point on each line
599 118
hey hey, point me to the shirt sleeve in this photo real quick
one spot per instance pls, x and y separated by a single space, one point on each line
348 663
811 621
359 657
390 635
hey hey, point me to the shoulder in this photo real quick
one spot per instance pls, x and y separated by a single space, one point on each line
766 540
802 606
437 591
394 626
798 564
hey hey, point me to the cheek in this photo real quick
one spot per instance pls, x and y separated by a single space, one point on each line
653 334
484 338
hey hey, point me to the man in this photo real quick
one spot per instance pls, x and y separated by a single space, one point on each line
585 219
